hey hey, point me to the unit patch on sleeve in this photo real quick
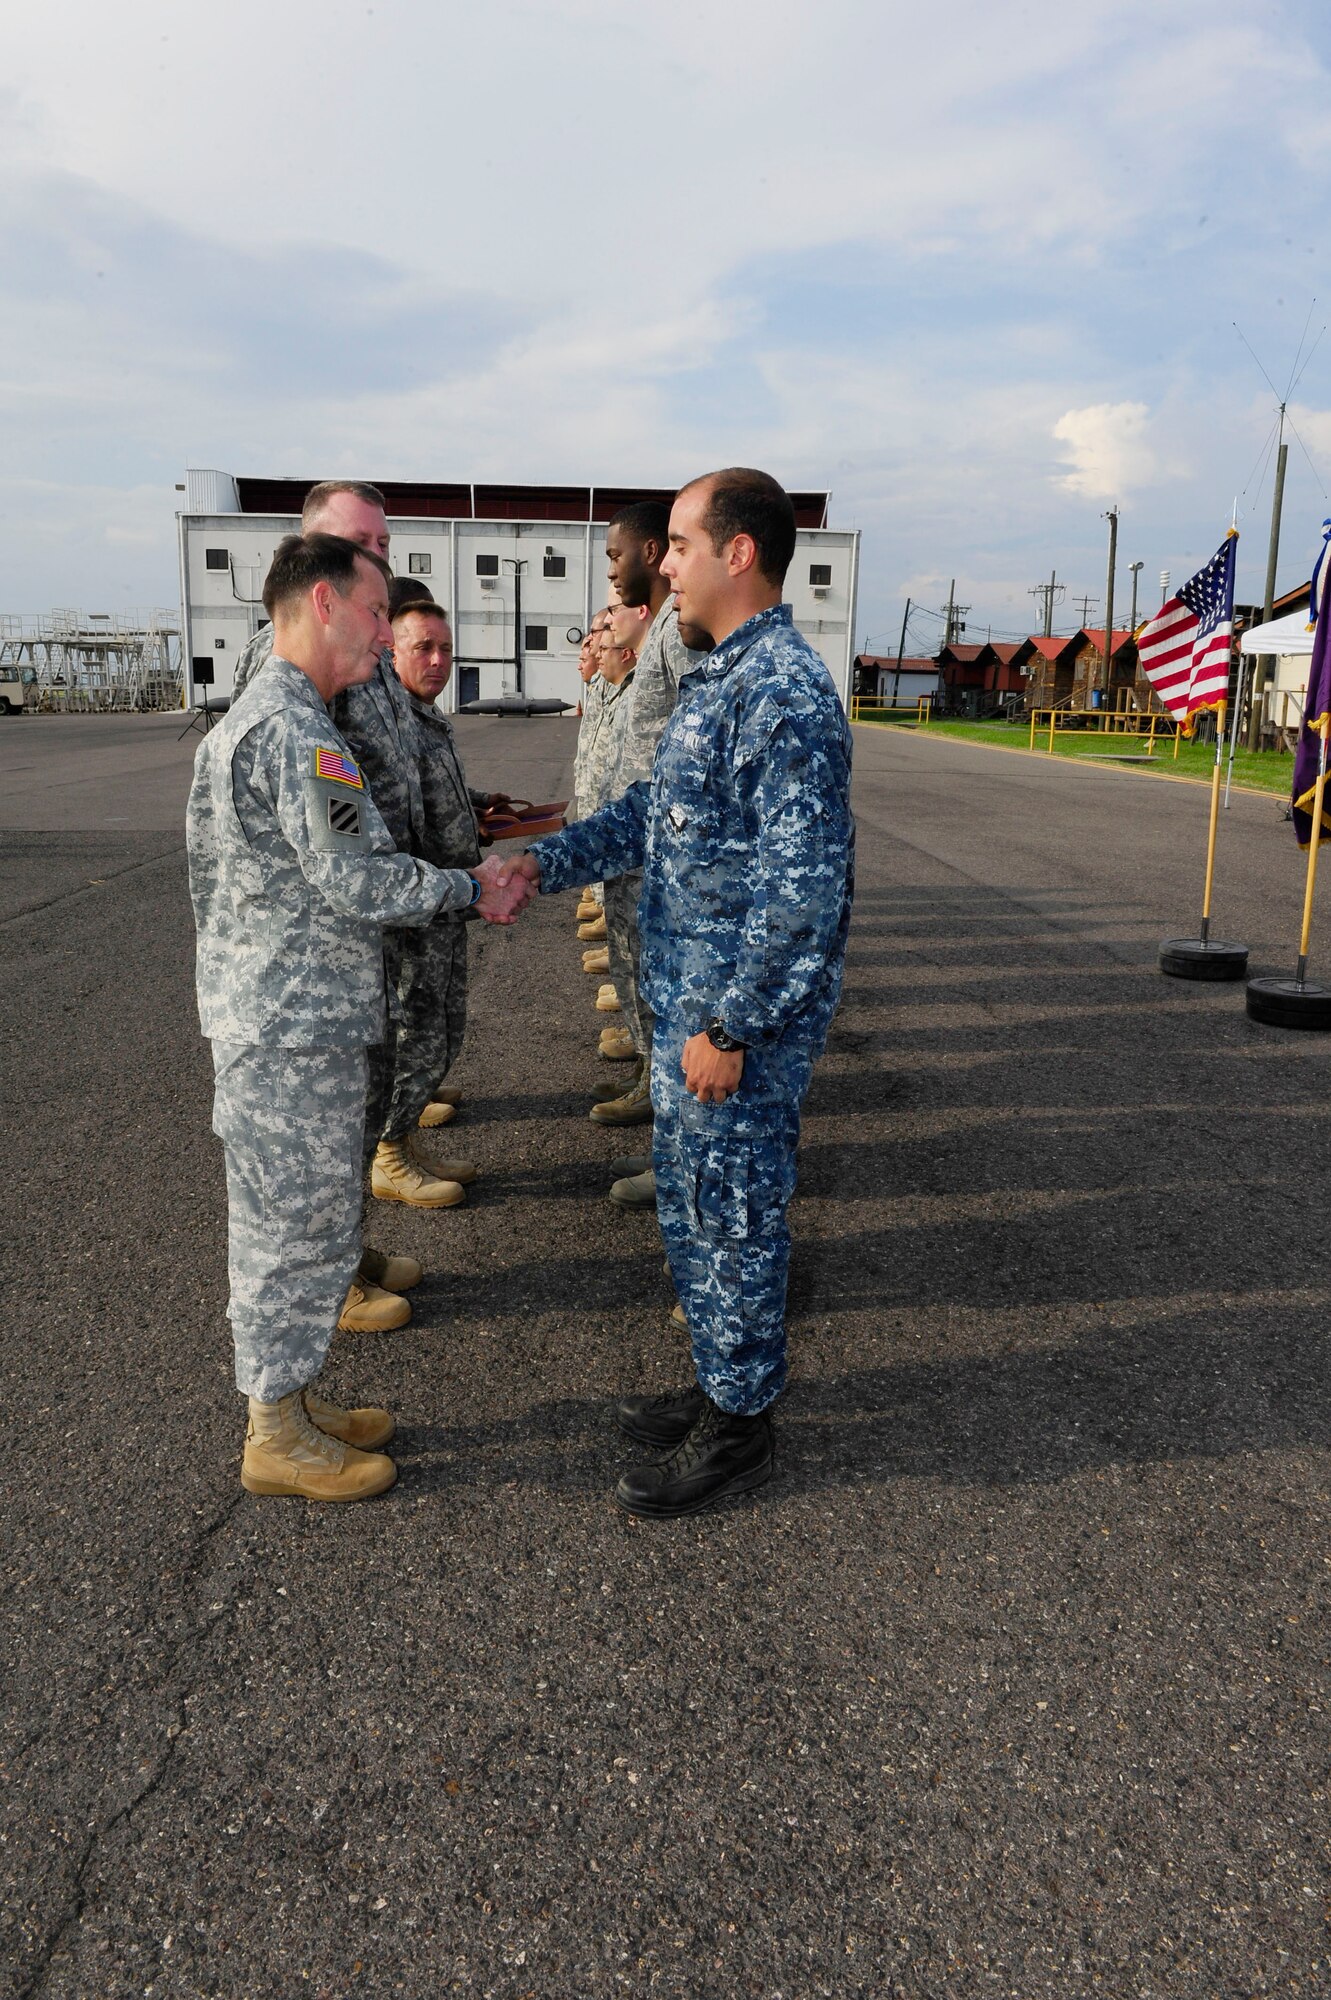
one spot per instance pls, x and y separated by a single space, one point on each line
332 764
344 815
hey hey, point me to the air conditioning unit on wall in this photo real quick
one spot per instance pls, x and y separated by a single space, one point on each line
489 583
821 590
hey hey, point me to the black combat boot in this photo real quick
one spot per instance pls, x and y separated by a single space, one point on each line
722 1454
661 1420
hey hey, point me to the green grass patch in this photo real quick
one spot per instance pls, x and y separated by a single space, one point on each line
1260 770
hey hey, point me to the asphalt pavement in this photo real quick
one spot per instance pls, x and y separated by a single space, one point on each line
1012 1683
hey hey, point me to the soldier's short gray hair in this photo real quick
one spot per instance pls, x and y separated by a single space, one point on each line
319 496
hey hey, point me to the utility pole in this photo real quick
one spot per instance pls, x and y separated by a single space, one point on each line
955 616
1047 593
1086 603
1264 671
1135 570
1109 598
896 685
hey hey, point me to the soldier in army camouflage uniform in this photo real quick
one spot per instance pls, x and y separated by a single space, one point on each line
593 699
635 548
428 966
376 720
293 874
746 843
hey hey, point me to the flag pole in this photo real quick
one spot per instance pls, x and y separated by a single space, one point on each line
1203 957
1301 973
1215 814
1234 723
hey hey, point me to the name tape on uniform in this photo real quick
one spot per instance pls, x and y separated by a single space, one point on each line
332 764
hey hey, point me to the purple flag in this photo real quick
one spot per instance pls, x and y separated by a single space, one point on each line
1316 707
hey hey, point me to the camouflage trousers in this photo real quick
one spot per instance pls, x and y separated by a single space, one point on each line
725 1174
625 950
426 970
290 1121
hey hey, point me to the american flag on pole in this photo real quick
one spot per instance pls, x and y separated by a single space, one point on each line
1184 649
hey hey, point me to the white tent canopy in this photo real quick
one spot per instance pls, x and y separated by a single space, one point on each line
1287 636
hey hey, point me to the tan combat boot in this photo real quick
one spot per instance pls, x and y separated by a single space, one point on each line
597 959
633 1108
437 1114
605 1093
607 1001
367 1429
587 908
447 1093
461 1171
286 1454
595 931
395 1274
616 1045
396 1176
370 1309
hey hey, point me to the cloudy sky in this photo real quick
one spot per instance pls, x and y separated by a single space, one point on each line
975 267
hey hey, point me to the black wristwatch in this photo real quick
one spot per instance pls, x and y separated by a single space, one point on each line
715 1032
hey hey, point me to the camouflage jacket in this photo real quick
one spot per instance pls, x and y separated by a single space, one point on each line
376 720
603 749
452 839
293 876
746 842
663 661
593 704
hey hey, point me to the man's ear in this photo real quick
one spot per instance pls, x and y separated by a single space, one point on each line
321 600
743 555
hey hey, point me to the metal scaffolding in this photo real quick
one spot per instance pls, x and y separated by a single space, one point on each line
79 663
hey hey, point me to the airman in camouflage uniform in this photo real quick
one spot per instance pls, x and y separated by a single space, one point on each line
746 843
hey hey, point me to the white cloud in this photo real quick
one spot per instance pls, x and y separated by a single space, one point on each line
1109 450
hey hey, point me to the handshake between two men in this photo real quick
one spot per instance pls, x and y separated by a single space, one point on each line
710 1074
506 887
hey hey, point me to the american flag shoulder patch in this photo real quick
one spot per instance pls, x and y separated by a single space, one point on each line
332 764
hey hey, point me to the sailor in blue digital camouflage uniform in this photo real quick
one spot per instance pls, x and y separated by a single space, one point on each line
293 876
746 843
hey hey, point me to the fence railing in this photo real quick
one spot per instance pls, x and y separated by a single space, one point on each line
869 708
1105 722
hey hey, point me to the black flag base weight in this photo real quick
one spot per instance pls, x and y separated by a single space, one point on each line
1203 958
1289 1003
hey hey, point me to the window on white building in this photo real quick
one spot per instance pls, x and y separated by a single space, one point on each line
487 565
536 638
820 575
217 559
418 565
555 566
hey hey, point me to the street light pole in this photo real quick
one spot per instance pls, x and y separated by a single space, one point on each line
517 569
1135 570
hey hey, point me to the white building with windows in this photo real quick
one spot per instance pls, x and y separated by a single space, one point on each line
520 570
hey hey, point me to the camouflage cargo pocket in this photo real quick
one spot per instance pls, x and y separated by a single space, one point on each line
720 1181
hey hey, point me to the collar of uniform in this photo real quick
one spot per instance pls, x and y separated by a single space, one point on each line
614 689
739 641
298 681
